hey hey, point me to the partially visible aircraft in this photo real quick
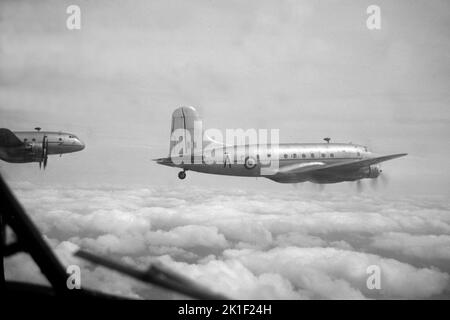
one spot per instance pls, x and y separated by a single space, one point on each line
35 146
320 163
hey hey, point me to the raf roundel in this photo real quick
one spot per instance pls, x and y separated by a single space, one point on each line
250 163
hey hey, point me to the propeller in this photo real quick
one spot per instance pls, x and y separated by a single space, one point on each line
384 180
374 183
44 155
359 186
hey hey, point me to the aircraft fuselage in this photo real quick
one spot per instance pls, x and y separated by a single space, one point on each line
240 162
31 149
192 148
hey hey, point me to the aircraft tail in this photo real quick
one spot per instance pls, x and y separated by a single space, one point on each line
187 118
9 139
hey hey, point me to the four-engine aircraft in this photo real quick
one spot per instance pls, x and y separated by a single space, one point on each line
35 146
295 162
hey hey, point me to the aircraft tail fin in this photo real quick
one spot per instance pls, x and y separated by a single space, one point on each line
186 119
9 139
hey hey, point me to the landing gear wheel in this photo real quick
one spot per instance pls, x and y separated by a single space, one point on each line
181 175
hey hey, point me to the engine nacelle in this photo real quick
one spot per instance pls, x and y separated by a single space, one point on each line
373 171
35 151
35 148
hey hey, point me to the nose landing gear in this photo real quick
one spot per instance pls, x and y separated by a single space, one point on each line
182 174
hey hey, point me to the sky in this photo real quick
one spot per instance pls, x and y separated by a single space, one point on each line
311 69
308 68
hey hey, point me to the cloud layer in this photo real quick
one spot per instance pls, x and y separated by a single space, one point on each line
249 244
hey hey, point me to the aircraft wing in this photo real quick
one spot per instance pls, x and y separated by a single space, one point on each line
9 139
352 164
301 167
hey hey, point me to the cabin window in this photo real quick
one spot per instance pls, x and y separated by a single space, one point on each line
33 139
312 155
358 154
294 156
268 155
331 155
285 156
25 140
60 139
303 155
323 155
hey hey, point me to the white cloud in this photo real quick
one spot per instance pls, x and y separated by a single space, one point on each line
188 236
334 273
233 279
251 244
427 247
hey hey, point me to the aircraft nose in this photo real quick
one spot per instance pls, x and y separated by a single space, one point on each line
80 144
